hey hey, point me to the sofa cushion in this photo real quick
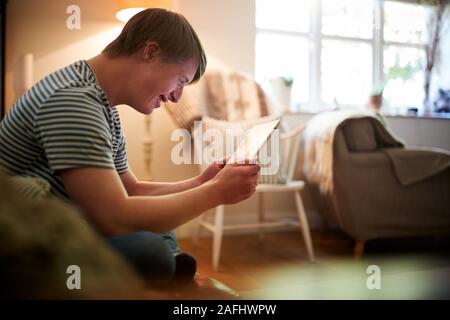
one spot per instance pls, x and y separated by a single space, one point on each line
360 135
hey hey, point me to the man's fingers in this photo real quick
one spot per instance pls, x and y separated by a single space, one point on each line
220 165
247 162
251 161
221 162
250 170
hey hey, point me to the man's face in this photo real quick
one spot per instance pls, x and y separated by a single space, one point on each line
157 81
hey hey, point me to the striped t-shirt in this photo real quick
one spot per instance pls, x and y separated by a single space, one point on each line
62 122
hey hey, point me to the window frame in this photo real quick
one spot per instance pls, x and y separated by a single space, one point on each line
315 37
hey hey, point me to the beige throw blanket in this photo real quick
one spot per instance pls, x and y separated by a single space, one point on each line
318 140
412 165
222 94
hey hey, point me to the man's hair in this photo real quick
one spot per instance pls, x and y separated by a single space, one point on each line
175 36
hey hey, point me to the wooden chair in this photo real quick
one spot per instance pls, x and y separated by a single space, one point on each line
282 182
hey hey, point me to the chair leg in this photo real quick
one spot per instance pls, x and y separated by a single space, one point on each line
261 214
198 229
217 236
359 248
304 225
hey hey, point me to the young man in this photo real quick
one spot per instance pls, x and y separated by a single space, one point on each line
66 130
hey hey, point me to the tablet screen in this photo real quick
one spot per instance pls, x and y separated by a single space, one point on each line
252 142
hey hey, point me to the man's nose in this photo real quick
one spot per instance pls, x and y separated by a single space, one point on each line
175 96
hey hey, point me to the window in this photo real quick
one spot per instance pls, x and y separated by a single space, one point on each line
283 32
346 72
404 36
293 62
338 51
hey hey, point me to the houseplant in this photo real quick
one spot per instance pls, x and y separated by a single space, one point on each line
282 91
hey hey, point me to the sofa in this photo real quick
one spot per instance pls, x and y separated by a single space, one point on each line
378 187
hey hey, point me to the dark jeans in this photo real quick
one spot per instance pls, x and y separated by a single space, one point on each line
152 254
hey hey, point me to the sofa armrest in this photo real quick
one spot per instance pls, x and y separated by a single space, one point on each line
368 159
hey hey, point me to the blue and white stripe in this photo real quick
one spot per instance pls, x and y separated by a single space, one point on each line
62 122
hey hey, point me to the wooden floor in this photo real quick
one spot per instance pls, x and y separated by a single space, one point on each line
244 259
246 264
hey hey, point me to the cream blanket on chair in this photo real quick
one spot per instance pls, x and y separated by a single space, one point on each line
223 94
318 140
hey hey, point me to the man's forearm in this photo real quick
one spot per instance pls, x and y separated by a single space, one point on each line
144 188
102 196
163 213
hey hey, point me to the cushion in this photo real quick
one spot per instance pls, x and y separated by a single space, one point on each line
360 135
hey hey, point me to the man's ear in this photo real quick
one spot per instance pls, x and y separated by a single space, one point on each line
151 51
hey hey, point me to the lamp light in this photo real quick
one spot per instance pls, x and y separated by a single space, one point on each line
128 8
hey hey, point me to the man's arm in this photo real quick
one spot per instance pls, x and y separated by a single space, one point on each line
135 187
102 197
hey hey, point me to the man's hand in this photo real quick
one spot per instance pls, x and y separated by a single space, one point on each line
211 171
101 195
236 182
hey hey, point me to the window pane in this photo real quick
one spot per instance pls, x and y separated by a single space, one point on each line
404 22
346 72
282 55
351 18
403 74
287 15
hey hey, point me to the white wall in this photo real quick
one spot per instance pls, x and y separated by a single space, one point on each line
39 27
226 28
425 132
421 132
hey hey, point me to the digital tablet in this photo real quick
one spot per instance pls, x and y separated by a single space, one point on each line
253 140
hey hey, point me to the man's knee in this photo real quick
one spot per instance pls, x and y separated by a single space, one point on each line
148 252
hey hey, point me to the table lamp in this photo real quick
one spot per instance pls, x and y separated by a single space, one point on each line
128 8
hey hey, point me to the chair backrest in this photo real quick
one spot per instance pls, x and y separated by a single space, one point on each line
286 153
233 96
237 128
233 100
292 145
223 94
290 139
